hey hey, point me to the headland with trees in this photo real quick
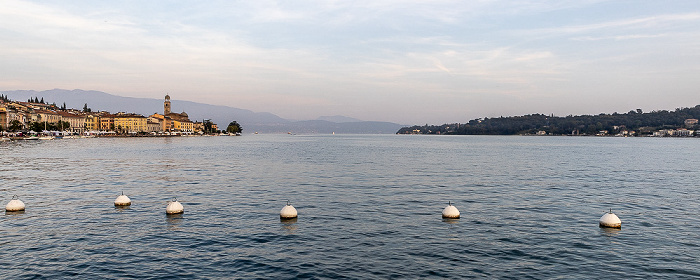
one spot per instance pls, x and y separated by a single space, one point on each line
682 122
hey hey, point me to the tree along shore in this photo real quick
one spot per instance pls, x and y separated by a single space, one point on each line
632 123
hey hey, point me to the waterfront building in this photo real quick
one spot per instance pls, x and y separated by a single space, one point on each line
691 122
107 122
40 115
153 126
625 133
13 111
130 122
663 133
166 123
198 127
183 126
77 122
3 118
16 115
92 122
681 132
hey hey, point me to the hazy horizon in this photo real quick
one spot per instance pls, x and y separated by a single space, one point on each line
333 118
407 62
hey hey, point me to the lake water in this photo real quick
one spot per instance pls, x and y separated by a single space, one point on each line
369 207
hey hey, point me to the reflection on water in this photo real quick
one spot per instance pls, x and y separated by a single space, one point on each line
121 208
13 213
450 221
174 220
606 231
289 225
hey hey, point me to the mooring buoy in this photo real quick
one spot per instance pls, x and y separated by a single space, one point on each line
288 212
610 220
14 205
122 200
174 207
450 212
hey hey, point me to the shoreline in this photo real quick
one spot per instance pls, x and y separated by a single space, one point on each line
13 138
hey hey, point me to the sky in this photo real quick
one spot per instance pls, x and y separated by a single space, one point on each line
409 62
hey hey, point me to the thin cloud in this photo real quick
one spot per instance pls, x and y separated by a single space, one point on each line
620 37
643 22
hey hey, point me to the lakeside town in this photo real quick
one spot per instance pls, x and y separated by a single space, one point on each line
35 119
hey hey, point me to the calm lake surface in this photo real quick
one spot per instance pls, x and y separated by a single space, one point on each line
369 207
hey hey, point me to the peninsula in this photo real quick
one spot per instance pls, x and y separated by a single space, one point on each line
682 122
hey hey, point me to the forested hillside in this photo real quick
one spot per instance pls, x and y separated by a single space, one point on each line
636 120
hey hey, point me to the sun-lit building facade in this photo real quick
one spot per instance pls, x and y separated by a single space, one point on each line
130 123
92 122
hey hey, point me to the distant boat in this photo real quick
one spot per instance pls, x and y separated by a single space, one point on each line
46 138
31 138
5 139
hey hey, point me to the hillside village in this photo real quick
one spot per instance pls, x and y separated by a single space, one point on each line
37 117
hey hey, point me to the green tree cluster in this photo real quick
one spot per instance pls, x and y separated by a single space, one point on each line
234 127
15 125
208 126
41 126
36 100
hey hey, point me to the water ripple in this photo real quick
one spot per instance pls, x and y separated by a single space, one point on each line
369 208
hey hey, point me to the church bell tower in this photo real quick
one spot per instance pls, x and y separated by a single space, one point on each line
166 105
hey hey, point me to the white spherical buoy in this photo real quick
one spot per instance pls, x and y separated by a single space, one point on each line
14 205
610 220
288 212
450 212
174 207
122 200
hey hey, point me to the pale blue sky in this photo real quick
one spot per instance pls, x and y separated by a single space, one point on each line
411 62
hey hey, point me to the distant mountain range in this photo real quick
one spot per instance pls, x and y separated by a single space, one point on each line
222 115
338 119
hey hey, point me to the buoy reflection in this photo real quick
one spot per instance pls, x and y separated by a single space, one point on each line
12 213
174 220
289 225
610 231
450 221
